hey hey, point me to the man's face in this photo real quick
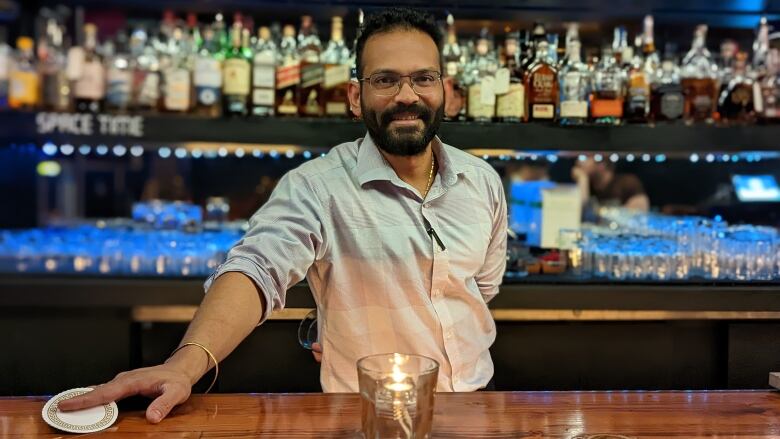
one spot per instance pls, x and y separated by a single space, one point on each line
403 123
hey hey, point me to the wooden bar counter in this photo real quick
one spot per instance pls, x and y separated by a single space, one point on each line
580 415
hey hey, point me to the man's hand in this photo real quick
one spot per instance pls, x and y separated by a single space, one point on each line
167 384
316 350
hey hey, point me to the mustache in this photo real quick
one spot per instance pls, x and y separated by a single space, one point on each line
418 110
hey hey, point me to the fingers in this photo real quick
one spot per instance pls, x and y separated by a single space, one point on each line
170 397
316 350
111 391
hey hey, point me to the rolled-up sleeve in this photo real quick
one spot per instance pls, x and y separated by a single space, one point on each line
492 273
284 238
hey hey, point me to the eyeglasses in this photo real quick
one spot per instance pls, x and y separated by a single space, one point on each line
389 83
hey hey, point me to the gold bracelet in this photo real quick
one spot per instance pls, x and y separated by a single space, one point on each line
211 357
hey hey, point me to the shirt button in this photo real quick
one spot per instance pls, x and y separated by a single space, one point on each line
427 205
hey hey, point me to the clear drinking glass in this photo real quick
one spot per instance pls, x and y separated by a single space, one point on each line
307 330
397 395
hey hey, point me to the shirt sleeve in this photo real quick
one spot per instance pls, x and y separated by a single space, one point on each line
285 237
492 273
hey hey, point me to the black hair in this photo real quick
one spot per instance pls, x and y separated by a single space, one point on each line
391 19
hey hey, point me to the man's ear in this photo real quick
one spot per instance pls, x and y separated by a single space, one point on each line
353 92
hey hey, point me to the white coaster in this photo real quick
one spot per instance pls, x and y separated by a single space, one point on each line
80 421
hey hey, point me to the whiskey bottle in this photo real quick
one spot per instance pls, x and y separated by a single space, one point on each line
24 81
699 80
480 80
56 95
453 57
575 82
310 95
90 88
288 74
735 104
637 104
667 101
146 73
264 74
768 103
119 76
207 76
510 89
236 76
177 95
607 95
541 84
336 61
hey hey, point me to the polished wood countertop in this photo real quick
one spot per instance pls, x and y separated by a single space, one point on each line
572 415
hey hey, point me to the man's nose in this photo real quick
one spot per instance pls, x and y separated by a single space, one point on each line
406 95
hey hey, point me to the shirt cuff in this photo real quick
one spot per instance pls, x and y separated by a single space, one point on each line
262 280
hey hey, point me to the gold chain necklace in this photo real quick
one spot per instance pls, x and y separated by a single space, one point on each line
430 175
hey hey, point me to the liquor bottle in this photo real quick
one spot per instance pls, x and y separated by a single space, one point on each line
24 81
480 80
56 87
510 89
637 104
288 74
621 51
336 61
453 58
607 95
310 94
6 54
177 90
667 101
207 76
146 73
236 76
264 74
736 102
652 60
768 103
699 80
90 89
575 84
538 34
761 48
541 85
728 53
120 76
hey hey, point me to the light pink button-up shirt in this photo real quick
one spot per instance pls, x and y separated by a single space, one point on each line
382 284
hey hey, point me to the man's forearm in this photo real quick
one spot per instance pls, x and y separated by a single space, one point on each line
228 314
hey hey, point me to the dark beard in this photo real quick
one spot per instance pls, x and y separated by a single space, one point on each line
404 141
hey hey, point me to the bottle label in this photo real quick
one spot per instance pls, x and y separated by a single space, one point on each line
543 111
476 109
512 103
574 109
263 97
263 76
672 105
149 88
23 88
75 63
119 87
606 108
702 105
452 68
4 64
288 105
312 74
92 83
177 89
336 108
770 102
336 74
207 73
542 84
502 81
288 75
236 77
487 94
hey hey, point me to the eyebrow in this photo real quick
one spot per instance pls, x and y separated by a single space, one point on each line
426 69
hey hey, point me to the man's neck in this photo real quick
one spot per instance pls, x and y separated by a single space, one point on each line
414 170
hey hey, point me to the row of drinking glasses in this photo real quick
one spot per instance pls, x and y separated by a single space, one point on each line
114 251
639 246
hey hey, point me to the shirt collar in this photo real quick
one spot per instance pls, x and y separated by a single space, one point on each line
371 166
